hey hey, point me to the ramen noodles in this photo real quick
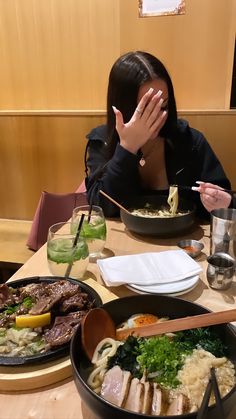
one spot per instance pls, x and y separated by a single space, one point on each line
161 375
173 200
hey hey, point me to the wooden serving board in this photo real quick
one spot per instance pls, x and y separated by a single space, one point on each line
34 376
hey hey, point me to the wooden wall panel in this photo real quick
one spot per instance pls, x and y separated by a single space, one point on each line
220 130
40 153
46 153
56 54
197 48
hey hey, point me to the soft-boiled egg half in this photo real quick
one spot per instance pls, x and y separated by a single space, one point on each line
138 320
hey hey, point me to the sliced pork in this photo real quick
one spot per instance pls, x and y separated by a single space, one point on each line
147 397
134 400
156 400
141 396
116 385
179 405
159 401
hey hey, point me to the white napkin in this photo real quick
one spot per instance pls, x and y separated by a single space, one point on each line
148 268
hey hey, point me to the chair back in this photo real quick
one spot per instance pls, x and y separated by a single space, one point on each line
52 208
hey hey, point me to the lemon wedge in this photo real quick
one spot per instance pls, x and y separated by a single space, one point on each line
38 320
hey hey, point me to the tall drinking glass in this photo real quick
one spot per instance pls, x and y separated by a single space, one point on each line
93 228
61 252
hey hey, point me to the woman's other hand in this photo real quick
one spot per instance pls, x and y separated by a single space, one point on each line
212 196
147 120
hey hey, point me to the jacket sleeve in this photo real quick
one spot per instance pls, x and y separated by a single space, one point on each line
118 177
208 169
194 154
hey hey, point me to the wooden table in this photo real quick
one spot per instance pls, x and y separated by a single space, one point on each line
61 400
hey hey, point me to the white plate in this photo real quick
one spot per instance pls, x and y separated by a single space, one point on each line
176 288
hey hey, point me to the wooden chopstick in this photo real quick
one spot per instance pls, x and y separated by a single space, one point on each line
114 202
184 323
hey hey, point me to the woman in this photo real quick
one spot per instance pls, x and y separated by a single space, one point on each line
144 148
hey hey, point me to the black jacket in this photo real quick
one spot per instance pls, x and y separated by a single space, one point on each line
119 177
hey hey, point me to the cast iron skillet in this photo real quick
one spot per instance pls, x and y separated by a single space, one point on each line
159 227
121 309
62 350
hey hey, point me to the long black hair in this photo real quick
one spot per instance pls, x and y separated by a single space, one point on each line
128 73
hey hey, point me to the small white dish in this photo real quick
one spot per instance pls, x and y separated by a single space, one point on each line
174 294
168 288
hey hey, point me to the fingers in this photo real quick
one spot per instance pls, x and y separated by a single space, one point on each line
119 119
152 115
207 191
213 198
159 122
208 202
143 102
212 201
152 109
207 185
204 190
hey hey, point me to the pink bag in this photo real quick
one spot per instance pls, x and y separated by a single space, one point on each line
52 209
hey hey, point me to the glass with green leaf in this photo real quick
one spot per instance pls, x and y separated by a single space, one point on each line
93 228
62 253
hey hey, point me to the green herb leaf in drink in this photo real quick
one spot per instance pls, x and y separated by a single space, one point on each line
61 251
94 230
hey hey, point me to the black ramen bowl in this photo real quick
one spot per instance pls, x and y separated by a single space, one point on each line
120 310
58 351
158 226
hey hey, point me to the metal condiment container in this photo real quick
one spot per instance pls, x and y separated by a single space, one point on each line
223 231
220 270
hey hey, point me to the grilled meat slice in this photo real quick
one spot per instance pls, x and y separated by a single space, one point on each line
78 301
35 291
64 288
57 293
44 304
7 319
21 310
116 385
6 296
63 328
